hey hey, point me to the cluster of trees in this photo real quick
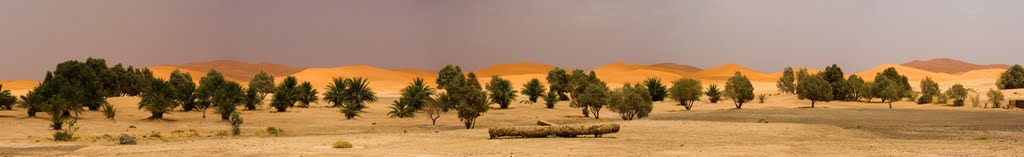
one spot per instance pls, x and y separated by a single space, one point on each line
463 93
830 85
349 94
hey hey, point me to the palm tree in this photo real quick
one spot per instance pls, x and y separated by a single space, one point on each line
418 93
401 109
157 99
335 92
358 94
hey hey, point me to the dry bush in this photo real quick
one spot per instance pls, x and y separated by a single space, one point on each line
342 144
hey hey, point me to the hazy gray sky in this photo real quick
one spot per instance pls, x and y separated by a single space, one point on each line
763 35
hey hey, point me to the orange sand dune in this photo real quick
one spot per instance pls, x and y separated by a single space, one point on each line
913 74
620 73
983 74
385 82
240 70
15 85
514 69
725 71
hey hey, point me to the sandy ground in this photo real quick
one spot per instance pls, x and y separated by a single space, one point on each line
793 129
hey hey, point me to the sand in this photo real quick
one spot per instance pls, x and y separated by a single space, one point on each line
679 67
709 130
514 69
950 66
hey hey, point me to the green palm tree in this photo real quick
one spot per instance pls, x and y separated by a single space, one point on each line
402 109
357 94
336 92
418 93
157 99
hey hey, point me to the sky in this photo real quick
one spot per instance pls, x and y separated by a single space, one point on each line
35 35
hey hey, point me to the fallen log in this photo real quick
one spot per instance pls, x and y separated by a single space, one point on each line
559 131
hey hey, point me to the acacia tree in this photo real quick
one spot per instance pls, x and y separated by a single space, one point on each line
630 101
284 96
814 88
357 95
887 90
786 82
533 89
461 95
434 108
685 91
158 98
501 91
739 89
856 85
929 89
448 74
800 75
713 93
958 93
1012 78
657 90
834 76
558 79
263 83
183 90
305 94
591 94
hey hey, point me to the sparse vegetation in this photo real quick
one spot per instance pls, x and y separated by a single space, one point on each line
306 94
434 108
685 91
157 99
713 94
534 89
183 90
786 82
558 80
109 111
550 99
957 93
658 91
929 89
401 109
630 101
357 93
739 90
761 97
275 131
236 122
263 83
942 99
284 96
252 99
69 133
342 144
814 88
1012 78
590 93
995 97
33 102
7 100
501 91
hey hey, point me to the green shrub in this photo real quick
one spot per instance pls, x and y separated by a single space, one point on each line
658 91
501 91
236 122
69 133
714 95
761 97
534 89
274 131
550 99
109 111
342 144
685 91
630 101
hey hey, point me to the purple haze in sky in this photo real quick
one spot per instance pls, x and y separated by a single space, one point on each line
35 35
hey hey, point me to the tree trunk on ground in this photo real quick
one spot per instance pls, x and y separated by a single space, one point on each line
560 131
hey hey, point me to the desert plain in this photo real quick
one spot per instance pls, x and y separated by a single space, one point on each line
781 126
